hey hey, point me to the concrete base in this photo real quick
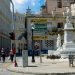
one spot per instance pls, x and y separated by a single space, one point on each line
67 49
25 58
57 52
48 67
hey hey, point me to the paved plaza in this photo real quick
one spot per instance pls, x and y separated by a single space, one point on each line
47 67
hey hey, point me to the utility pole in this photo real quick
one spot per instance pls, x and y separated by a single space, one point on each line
14 49
33 52
25 51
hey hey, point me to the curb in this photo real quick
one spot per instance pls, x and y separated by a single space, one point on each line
40 73
40 69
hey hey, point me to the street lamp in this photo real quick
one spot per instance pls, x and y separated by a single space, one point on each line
14 49
33 52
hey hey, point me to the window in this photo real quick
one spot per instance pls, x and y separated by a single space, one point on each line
62 42
73 25
59 3
49 44
72 1
60 25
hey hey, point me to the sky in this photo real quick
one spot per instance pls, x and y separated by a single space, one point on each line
21 5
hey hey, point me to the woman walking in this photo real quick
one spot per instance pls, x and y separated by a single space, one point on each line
11 55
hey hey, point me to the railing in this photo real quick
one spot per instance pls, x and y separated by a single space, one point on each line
55 31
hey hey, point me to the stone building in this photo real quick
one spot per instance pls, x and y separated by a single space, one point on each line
57 6
19 32
5 24
45 32
48 24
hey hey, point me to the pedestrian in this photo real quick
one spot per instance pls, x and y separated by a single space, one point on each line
11 55
71 59
3 55
0 54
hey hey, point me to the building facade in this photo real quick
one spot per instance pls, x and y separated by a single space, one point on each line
5 24
19 32
57 6
45 32
48 25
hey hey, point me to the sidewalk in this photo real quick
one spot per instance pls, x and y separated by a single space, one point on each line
47 67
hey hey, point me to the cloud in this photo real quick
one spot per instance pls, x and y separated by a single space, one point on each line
22 5
37 12
33 3
20 1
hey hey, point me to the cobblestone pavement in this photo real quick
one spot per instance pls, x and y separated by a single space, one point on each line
4 66
47 67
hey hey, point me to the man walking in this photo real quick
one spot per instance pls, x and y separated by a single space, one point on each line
3 55
71 59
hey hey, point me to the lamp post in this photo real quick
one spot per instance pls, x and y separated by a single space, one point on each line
14 49
33 52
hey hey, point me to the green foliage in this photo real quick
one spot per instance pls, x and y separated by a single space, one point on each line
53 57
54 29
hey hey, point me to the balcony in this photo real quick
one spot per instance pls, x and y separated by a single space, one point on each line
55 31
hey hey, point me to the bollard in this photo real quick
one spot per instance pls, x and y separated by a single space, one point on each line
15 64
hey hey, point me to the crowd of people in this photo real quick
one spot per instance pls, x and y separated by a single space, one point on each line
3 55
